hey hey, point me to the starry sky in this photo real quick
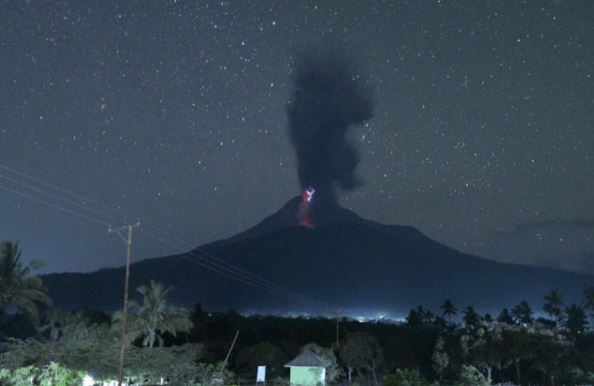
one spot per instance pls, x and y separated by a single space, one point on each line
175 111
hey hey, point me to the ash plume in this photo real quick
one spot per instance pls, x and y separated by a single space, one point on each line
329 95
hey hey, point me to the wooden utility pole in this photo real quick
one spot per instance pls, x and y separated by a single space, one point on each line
128 240
220 378
230 348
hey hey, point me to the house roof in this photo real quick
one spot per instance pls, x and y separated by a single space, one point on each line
306 359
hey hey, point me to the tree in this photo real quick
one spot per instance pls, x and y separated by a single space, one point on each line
589 300
549 353
522 313
264 353
55 320
554 305
17 286
406 377
50 374
333 371
576 320
448 310
516 345
200 319
419 317
483 347
471 317
440 358
471 376
505 317
154 317
362 350
94 351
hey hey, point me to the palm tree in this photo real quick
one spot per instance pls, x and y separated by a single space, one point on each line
576 320
589 300
57 321
154 317
54 322
522 313
419 316
554 305
517 347
471 317
17 286
505 317
449 309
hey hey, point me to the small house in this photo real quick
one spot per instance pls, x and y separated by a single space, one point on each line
307 369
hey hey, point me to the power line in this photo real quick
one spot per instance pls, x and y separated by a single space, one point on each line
202 258
209 256
223 271
234 272
55 196
45 183
53 205
243 276
68 192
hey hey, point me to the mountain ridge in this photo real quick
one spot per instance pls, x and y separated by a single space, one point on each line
347 262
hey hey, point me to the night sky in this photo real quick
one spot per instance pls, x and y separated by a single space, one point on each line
175 111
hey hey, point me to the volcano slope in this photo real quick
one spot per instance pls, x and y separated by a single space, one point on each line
348 263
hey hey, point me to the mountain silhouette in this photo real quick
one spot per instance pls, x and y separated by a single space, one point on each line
346 263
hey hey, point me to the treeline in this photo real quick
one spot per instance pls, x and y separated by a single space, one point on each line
187 347
474 349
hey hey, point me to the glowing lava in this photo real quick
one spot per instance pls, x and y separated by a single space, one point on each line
303 218
307 195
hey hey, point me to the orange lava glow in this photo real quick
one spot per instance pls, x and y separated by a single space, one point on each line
304 222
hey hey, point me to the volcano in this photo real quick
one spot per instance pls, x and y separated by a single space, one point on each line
346 262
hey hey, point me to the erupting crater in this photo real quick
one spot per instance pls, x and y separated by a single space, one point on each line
303 217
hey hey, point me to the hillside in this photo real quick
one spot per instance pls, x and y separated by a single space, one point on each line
349 262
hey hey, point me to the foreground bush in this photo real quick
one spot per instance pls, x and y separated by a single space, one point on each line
178 364
471 376
51 375
406 377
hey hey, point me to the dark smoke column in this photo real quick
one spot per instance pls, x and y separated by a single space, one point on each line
329 95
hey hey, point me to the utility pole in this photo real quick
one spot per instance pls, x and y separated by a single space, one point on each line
220 378
128 240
